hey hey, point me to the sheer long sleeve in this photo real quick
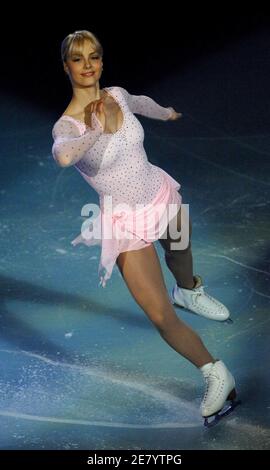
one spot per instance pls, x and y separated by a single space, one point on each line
69 146
146 106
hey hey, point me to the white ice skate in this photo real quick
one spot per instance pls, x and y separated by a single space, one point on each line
199 302
220 387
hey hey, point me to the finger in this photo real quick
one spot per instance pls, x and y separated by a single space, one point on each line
97 104
97 108
91 121
100 107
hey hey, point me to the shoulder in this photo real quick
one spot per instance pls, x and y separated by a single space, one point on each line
120 90
64 126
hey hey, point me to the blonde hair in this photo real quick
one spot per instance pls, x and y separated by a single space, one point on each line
74 41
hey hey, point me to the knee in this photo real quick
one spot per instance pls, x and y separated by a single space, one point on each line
163 319
173 255
189 227
185 225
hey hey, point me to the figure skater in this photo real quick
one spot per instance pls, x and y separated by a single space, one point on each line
100 136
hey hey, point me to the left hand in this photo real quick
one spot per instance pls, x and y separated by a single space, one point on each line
174 115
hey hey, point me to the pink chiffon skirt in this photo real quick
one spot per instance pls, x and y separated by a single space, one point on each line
127 230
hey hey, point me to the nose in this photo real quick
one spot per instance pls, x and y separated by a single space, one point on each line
88 63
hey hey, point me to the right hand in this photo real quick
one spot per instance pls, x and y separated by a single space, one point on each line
174 115
97 107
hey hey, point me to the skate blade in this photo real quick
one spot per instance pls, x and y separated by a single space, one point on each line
225 412
229 320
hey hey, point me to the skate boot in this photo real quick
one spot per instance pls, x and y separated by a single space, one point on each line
199 302
220 387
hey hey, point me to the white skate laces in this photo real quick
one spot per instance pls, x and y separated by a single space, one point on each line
198 301
220 387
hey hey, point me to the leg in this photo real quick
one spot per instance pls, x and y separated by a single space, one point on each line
142 273
179 262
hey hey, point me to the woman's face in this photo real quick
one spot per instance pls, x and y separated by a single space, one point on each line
84 65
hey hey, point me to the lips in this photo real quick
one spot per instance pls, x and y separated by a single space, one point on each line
88 74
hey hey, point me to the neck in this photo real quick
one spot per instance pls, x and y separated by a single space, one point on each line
83 96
